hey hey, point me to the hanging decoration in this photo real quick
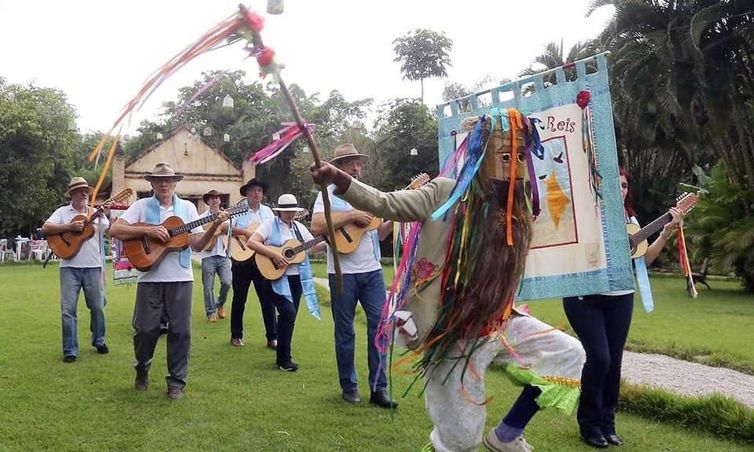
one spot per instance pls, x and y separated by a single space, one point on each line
244 25
283 138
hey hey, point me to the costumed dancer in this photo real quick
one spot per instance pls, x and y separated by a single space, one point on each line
457 304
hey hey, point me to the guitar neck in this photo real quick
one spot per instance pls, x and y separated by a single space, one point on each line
201 221
651 228
306 245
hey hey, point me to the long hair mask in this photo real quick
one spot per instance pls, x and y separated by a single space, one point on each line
490 232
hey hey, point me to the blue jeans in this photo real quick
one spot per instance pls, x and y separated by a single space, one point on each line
211 266
72 280
369 290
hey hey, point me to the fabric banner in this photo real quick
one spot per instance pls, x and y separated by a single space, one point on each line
123 271
580 245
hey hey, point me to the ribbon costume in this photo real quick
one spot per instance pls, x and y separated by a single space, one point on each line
455 302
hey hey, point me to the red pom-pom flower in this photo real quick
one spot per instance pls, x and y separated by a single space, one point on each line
254 21
265 56
582 99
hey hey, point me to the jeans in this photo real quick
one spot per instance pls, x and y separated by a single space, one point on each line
243 275
368 289
602 323
212 265
72 280
154 302
287 311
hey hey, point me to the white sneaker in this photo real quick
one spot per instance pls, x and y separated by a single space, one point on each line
517 445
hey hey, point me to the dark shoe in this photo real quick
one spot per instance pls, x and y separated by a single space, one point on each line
236 342
351 396
382 399
163 328
598 441
175 393
69 358
273 344
102 349
614 439
141 383
290 366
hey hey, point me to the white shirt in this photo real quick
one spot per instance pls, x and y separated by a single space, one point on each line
286 233
259 215
219 248
362 260
169 269
89 255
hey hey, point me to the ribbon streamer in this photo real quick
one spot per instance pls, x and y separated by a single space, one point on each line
288 134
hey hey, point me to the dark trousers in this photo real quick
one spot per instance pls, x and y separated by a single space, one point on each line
287 311
153 301
601 323
243 275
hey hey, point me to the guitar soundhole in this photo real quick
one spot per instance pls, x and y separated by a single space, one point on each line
288 254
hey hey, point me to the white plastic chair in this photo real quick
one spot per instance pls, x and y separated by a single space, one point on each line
38 250
5 251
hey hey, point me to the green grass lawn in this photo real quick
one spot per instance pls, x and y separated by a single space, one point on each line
716 328
237 400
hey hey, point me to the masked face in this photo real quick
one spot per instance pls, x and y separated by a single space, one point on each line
499 155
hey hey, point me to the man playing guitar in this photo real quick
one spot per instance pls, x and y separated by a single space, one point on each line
244 272
82 271
362 282
167 286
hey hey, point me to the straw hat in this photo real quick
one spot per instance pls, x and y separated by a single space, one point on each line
252 183
162 170
287 203
210 194
76 183
345 152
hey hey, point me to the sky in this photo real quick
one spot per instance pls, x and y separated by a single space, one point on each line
99 52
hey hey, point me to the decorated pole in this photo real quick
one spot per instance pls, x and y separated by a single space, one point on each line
265 58
245 25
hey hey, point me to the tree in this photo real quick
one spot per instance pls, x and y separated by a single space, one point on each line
688 64
553 56
37 143
257 114
720 227
405 125
423 54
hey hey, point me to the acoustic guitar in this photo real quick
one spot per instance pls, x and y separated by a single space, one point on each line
67 245
292 250
240 252
637 237
145 252
348 237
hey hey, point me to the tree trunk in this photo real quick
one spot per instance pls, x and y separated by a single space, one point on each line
421 81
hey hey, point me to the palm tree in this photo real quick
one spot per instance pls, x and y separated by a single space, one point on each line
690 63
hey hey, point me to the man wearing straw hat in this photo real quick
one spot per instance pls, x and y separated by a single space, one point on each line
167 286
82 271
246 272
214 262
362 282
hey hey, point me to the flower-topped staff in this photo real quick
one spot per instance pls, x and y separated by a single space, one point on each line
244 24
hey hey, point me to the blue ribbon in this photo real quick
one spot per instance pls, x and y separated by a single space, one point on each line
642 277
281 285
